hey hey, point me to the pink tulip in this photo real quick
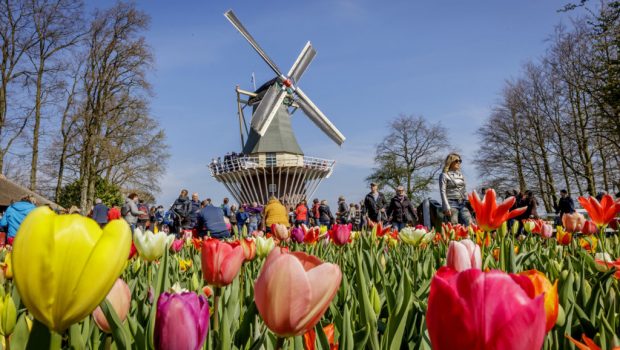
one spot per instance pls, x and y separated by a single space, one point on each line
573 222
547 231
182 321
293 291
589 228
464 255
340 234
297 234
477 310
120 298
177 245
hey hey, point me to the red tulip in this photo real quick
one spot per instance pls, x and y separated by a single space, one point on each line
464 255
589 228
489 215
120 298
563 237
132 251
311 235
477 310
542 285
182 321
221 261
588 344
601 213
340 234
573 222
293 291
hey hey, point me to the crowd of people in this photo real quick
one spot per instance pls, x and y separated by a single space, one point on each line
192 216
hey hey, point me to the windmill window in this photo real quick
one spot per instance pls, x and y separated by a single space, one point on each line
271 159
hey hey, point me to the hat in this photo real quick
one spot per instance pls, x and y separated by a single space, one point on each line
400 188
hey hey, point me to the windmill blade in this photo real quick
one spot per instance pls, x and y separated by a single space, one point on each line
237 24
315 114
267 108
302 62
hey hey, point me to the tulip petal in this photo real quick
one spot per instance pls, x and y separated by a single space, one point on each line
325 281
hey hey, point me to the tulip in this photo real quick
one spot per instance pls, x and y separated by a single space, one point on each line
340 234
529 226
415 236
8 315
563 237
310 338
221 261
573 222
489 215
65 265
132 251
483 310
543 285
547 231
607 263
603 257
184 265
151 246
177 245
7 270
379 231
601 213
464 255
589 228
293 291
588 344
297 234
182 321
120 298
249 248
281 232
264 246
311 235
588 243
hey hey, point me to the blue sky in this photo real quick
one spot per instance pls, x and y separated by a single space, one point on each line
445 60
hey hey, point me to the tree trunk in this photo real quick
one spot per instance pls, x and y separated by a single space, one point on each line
37 125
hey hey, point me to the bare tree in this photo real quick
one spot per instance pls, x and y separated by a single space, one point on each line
411 155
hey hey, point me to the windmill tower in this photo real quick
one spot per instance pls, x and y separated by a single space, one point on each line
272 162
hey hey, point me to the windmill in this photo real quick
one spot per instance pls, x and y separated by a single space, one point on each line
272 163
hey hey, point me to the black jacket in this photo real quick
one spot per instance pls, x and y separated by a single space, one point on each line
401 210
325 214
565 206
372 207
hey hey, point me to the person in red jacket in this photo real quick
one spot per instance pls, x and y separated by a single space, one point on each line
114 213
301 213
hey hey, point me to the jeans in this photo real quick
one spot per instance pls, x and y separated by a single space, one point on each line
459 212
252 226
398 225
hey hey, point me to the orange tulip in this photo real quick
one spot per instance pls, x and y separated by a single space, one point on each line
489 215
573 222
249 248
563 237
601 213
310 338
294 290
543 285
587 344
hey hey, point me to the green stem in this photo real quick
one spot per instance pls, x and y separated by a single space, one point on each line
55 341
216 305
280 343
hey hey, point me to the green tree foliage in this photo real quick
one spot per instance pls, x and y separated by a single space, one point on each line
109 193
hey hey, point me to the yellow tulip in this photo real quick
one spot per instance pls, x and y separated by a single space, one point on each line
65 265
6 266
8 315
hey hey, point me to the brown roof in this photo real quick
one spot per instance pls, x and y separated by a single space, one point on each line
10 191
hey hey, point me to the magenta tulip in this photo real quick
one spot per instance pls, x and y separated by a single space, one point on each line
177 245
340 234
182 321
464 255
120 298
293 291
297 235
477 310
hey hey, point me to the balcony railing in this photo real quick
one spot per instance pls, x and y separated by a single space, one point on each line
269 161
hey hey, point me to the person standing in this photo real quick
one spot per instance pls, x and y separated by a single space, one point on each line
374 204
226 207
315 212
143 219
242 217
301 213
100 212
130 211
326 218
210 221
343 211
400 211
275 213
15 215
194 209
565 205
453 191
182 210
233 219
114 213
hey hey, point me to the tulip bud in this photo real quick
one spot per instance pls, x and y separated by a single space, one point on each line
375 300
464 255
589 228
547 231
573 222
280 232
340 234
195 281
7 270
503 230
249 248
529 225
185 311
8 315
135 266
515 228
264 246
151 246
221 262
120 298
415 236
604 257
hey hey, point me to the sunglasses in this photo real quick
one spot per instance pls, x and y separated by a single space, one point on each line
458 161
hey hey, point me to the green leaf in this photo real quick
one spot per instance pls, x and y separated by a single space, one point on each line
119 333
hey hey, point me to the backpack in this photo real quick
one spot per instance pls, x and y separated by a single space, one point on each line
145 209
125 209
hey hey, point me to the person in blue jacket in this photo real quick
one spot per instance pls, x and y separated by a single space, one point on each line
210 220
15 214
